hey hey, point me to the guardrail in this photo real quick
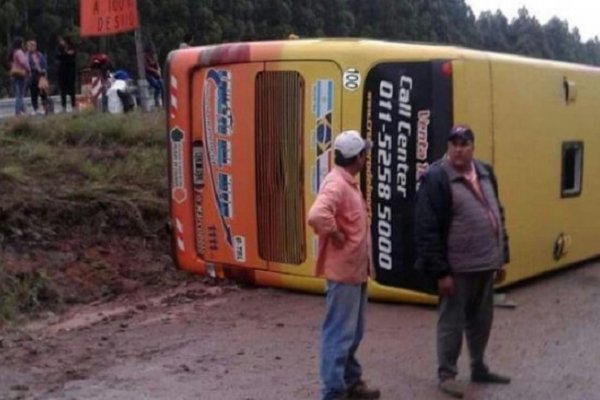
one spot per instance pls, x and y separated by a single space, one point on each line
7 106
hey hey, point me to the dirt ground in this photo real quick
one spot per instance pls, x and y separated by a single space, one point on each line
221 342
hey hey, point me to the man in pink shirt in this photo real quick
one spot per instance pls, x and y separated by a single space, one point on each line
339 217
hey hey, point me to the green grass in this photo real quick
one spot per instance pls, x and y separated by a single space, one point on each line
84 181
87 149
29 152
92 129
12 173
26 292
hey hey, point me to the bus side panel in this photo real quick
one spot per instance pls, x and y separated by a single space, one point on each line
188 247
532 121
223 121
179 151
473 102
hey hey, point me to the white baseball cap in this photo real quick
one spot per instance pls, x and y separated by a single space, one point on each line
350 143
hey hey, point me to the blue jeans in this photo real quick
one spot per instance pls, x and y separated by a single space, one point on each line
18 87
341 334
157 85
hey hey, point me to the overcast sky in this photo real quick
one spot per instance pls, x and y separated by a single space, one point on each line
583 14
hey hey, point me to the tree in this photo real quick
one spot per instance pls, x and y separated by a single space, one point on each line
560 41
493 31
527 36
272 19
164 22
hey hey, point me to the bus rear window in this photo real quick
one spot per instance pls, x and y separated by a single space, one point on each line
572 165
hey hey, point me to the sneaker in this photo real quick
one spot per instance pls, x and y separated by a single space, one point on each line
360 390
489 377
452 388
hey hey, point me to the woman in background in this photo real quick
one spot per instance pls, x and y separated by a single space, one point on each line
66 71
38 67
153 75
19 73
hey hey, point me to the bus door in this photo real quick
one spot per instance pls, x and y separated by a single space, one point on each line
407 112
224 176
298 110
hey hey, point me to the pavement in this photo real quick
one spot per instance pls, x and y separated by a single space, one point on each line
229 343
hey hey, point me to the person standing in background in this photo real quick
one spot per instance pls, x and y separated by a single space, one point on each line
153 74
38 67
19 73
66 71
188 38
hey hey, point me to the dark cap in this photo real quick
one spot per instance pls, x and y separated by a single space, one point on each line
462 132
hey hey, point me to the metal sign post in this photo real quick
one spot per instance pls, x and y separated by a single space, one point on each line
142 83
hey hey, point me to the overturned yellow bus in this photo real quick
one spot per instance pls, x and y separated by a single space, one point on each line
251 126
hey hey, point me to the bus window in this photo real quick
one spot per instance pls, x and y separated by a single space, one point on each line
572 166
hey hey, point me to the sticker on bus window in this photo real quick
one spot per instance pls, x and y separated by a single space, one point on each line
322 100
223 152
221 81
218 127
405 106
321 169
322 107
225 195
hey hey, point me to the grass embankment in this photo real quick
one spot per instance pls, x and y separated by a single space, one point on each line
83 207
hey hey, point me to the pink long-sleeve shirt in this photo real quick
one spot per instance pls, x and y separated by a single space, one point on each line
20 59
340 206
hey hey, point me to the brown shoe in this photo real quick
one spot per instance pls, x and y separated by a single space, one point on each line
360 390
452 388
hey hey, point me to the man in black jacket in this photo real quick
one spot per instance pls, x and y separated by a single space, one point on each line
461 243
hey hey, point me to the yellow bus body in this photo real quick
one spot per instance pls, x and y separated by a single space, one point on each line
223 99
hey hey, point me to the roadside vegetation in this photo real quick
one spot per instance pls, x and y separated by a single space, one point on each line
83 210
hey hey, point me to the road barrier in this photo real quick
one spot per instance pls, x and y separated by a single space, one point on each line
7 106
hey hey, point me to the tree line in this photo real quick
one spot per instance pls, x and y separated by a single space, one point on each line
164 23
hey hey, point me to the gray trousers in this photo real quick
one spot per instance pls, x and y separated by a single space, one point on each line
469 309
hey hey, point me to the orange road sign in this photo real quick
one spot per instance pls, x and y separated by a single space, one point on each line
106 17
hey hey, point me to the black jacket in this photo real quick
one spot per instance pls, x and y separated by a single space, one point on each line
433 216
